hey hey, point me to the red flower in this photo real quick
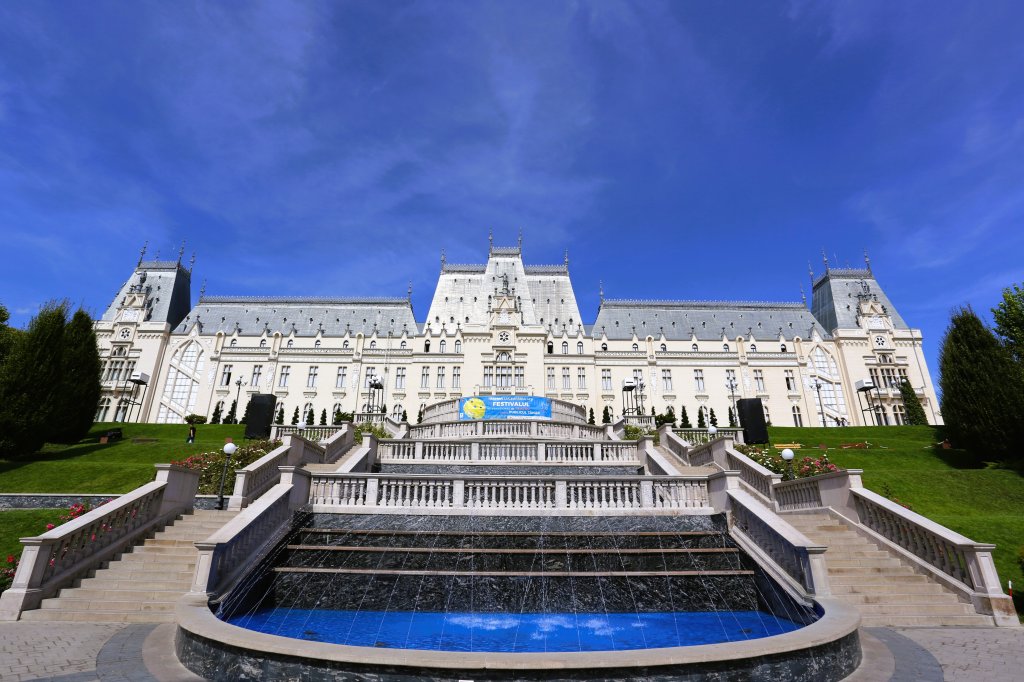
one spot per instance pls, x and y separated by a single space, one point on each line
50 526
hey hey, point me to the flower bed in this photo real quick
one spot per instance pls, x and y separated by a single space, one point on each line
772 460
211 464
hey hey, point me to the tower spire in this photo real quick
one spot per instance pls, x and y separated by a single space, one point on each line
567 258
442 259
520 239
600 289
142 253
803 296
192 263
202 290
867 261
825 259
490 240
408 293
181 251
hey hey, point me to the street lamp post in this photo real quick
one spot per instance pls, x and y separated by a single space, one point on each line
730 383
821 405
787 455
229 449
238 392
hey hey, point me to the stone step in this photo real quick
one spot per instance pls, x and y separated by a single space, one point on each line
883 590
158 559
925 621
100 616
844 553
861 562
97 594
144 573
894 569
170 542
122 583
916 609
906 599
71 604
160 550
876 579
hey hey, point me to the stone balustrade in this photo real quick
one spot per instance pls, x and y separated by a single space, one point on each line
448 410
56 558
508 451
757 478
508 428
369 418
701 436
310 432
407 493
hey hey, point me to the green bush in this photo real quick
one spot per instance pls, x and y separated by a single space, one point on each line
211 464
195 419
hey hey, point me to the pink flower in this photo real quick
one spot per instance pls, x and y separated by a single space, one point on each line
50 526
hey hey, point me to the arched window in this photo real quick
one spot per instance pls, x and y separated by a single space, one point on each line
604 346
798 419
426 346
234 342
304 417
402 345
290 343
899 415
503 357
783 348
219 407
725 347
182 385
753 348
316 344
442 347
344 344
636 346
579 348
693 348
373 344
102 409
121 413
565 347
664 348
458 346
263 343
551 348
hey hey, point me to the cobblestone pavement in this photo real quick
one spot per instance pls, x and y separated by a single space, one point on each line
75 652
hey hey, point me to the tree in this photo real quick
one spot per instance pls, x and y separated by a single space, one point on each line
310 417
606 415
79 391
336 419
323 417
295 416
591 419
405 416
231 418
280 415
701 424
419 416
732 417
215 417
245 414
713 419
653 413
670 416
30 382
684 419
915 415
982 392
1009 319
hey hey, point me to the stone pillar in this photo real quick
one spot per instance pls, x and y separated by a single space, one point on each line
458 493
418 450
372 488
561 495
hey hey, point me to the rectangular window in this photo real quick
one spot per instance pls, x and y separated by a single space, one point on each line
551 378
400 378
666 380
566 384
368 376
698 380
520 377
283 380
425 377
874 377
759 380
790 381
488 376
638 377
440 377
798 419
225 376
581 378
606 380
257 371
504 375
456 377
311 378
129 369
339 381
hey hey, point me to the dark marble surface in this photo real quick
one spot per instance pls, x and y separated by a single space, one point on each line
576 524
216 661
65 500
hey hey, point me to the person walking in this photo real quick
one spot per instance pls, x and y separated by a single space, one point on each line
191 434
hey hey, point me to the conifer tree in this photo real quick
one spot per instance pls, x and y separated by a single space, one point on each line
245 414
670 416
230 418
336 419
323 417
80 381
405 416
732 417
982 392
310 417
280 415
1009 319
713 419
684 419
215 417
295 416
701 424
915 415
419 416
591 419
606 415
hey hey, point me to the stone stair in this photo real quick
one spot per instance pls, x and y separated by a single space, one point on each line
884 587
141 586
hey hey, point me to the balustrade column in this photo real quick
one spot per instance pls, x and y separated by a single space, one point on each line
459 493
478 428
372 486
541 450
418 450
561 495
647 494
598 452
474 451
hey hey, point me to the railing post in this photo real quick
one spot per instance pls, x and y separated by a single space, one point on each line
647 494
474 451
180 487
478 428
300 480
598 453
26 591
237 498
541 451
533 428
418 450
372 487
459 493
561 495
205 576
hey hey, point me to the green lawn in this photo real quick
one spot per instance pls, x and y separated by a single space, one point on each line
92 467
22 523
985 504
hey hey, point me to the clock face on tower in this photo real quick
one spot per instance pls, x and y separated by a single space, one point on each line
504 337
880 341
126 333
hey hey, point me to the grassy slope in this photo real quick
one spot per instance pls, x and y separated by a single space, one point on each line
22 523
986 505
89 467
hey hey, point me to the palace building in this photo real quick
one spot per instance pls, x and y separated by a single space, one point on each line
508 328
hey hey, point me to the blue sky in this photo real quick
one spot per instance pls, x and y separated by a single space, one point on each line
678 150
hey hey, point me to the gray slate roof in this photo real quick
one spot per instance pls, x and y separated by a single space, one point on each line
704 319
834 298
166 284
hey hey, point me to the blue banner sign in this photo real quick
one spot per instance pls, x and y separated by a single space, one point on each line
505 407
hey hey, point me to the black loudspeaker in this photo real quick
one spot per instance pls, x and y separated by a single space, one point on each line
751 413
261 415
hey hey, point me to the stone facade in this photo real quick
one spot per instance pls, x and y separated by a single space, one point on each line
504 328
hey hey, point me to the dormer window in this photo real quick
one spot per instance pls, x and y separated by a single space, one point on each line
753 348
783 348
636 346
725 347
373 344
693 347
426 346
234 342
664 348
263 343
402 345
344 344
579 348
551 348
604 346
290 343
565 347
316 344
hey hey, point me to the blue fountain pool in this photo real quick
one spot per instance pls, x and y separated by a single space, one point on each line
526 632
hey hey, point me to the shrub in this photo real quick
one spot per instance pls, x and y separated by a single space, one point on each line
211 464
195 419
369 429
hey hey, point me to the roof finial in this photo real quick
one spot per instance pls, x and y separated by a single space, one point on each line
867 261
803 296
520 239
825 259
408 293
192 263
202 292
442 259
142 253
567 258
181 251
490 239
600 289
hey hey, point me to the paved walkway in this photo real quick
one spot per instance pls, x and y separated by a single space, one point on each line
77 652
